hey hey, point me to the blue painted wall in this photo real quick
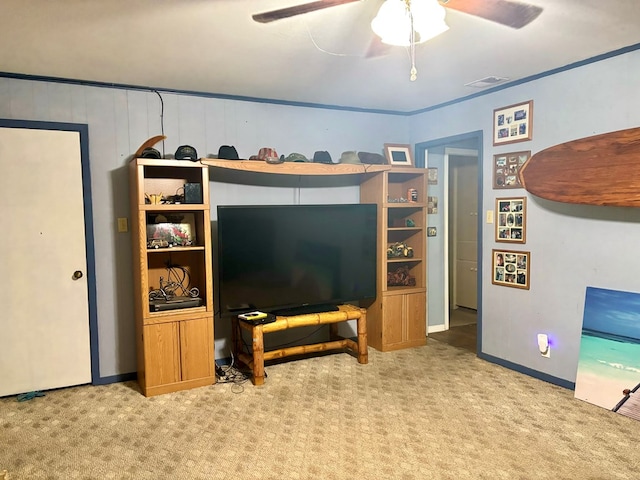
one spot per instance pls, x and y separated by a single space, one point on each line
571 246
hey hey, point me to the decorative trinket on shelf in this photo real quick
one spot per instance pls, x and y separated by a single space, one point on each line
401 278
399 249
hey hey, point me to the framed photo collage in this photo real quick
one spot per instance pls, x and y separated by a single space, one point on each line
511 124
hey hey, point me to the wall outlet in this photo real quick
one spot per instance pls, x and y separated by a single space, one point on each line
543 345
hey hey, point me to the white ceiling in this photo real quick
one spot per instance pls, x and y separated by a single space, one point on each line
214 46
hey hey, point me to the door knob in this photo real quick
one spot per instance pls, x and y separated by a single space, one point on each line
77 275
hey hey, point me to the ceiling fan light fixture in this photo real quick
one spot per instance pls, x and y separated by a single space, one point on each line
407 22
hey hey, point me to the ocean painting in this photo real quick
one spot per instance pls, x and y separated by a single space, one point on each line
609 363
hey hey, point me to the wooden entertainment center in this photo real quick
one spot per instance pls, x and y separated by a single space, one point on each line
175 347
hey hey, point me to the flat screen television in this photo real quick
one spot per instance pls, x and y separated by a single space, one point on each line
294 259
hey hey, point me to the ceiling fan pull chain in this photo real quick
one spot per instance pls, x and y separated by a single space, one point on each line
412 45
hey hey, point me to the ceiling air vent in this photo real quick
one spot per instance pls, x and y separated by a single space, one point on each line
486 82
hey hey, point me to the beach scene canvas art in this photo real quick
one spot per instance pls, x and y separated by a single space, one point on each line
609 362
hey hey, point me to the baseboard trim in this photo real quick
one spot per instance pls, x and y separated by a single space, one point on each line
436 328
123 377
528 371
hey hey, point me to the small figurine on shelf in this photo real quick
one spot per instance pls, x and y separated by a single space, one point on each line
401 278
153 198
177 284
399 249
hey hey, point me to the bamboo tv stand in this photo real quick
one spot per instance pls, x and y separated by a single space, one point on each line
255 360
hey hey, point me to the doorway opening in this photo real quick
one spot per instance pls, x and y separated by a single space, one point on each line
462 228
461 175
455 254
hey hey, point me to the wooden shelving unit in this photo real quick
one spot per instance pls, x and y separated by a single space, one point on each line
397 319
175 347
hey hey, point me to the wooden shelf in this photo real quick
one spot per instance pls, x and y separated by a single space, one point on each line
397 318
294 168
415 205
175 249
175 348
173 207
404 260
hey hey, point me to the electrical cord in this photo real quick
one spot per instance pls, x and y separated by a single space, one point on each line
161 118
233 375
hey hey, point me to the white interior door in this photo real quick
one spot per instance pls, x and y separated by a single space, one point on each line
464 177
44 312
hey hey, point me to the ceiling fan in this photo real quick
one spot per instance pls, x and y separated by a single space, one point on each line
408 22
505 12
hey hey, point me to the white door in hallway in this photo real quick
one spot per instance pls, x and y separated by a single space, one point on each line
44 312
464 188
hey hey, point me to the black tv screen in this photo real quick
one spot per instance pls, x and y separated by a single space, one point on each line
291 259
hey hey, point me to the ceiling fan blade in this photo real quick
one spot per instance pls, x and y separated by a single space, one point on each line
274 15
377 48
511 14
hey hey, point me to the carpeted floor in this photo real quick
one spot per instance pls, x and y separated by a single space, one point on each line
433 412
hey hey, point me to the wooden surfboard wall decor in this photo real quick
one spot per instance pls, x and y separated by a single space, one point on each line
599 170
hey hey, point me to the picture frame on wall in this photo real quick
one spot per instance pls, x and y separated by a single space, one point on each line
432 205
511 220
513 123
398 155
432 176
510 268
506 169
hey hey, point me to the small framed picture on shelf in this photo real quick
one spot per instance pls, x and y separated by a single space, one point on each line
510 268
398 155
511 220
171 230
506 169
513 123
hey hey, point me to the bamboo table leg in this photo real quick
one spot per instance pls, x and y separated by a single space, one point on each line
258 355
363 354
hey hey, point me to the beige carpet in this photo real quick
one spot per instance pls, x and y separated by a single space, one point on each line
434 412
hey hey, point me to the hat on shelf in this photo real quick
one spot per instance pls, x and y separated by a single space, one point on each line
322 157
150 152
268 155
228 152
296 157
350 157
186 152
372 158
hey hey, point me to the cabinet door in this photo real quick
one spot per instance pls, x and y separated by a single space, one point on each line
162 354
416 316
392 319
196 348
